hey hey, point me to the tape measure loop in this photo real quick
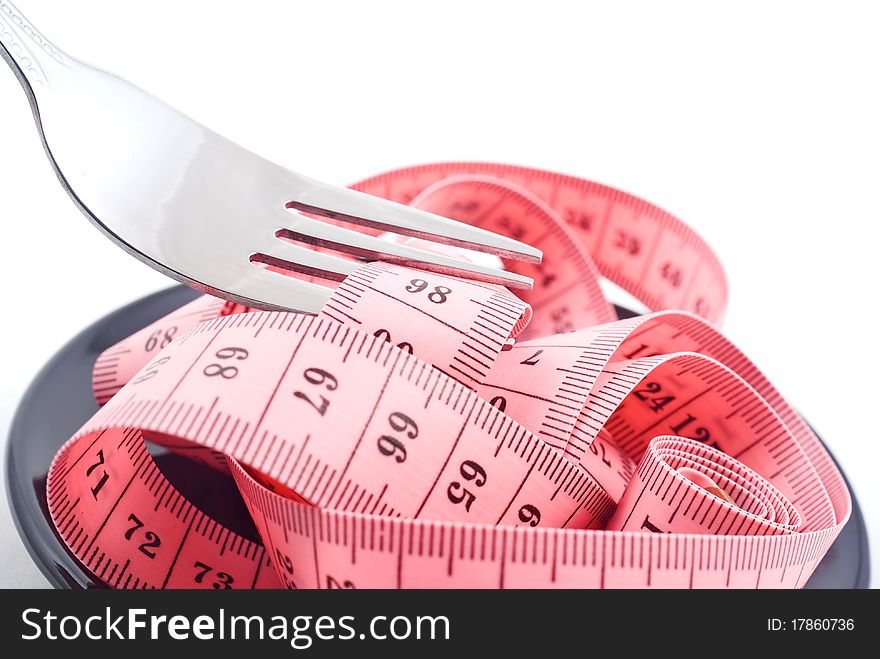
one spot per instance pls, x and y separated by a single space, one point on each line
427 431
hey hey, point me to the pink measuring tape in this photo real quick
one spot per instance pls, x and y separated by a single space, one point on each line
426 431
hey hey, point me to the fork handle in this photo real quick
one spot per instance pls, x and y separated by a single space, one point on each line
26 50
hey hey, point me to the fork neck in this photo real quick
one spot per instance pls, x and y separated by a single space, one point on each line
32 57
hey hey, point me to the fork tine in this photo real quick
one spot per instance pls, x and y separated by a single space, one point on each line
322 234
274 291
306 261
360 208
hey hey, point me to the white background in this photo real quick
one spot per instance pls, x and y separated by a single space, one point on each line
756 123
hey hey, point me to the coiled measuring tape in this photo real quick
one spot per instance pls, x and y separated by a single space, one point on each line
426 431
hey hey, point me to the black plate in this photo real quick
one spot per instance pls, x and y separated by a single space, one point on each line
60 400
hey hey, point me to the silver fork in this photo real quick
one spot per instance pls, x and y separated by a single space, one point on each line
204 210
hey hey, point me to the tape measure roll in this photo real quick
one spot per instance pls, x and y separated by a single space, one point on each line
426 431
